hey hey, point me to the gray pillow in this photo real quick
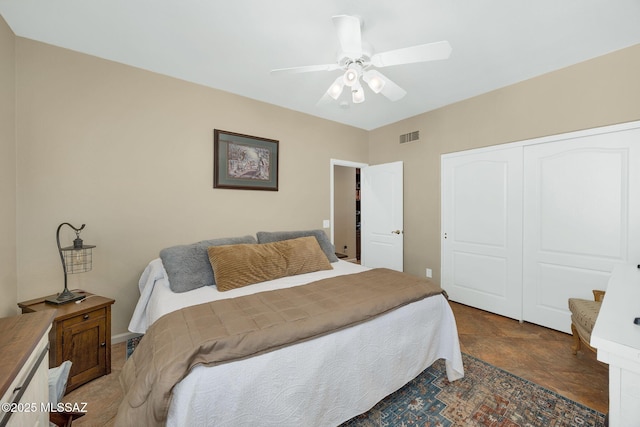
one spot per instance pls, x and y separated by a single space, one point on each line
276 236
188 266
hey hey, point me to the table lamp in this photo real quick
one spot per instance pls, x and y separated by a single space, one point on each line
75 259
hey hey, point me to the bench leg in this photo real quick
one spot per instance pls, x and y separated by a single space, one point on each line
576 340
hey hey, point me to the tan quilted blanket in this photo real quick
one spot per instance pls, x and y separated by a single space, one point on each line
226 330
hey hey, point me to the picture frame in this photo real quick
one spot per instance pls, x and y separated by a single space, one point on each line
244 162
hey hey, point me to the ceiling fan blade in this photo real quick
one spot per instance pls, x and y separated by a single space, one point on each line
391 90
410 55
305 69
348 28
325 100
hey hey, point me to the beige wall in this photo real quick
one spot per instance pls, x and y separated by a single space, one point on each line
130 153
598 92
8 272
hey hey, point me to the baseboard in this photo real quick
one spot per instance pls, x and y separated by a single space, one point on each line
115 339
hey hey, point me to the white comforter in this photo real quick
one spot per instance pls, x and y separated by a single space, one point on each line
324 381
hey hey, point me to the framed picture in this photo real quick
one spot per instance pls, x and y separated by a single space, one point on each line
244 162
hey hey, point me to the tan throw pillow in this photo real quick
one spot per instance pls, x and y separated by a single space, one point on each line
235 266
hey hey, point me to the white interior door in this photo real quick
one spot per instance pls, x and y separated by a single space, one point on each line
581 201
381 227
482 229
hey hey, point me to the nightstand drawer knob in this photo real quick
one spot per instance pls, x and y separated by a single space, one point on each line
85 317
104 344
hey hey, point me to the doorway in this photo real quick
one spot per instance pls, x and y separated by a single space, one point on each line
345 209
347 213
381 213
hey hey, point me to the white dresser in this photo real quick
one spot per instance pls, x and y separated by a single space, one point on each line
617 339
24 369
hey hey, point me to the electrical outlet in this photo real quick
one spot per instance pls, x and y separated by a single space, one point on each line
429 273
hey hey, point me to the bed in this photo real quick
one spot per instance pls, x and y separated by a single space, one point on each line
322 381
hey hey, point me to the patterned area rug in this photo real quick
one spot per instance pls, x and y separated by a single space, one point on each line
131 345
486 396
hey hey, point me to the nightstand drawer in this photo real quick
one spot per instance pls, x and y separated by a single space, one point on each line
84 317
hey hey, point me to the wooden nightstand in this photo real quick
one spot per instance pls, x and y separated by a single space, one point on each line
81 333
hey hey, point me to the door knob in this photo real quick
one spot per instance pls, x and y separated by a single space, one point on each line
397 232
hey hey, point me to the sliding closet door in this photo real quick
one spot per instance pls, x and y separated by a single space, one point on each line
482 229
581 200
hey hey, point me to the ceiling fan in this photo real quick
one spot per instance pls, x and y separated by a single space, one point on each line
357 61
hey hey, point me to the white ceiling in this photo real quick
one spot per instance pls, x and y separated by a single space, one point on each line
232 45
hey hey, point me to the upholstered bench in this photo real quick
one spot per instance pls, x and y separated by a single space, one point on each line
583 318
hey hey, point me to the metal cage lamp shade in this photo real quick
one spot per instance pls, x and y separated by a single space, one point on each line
75 259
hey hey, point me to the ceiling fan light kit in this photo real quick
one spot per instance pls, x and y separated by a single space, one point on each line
335 90
375 80
355 60
351 75
357 93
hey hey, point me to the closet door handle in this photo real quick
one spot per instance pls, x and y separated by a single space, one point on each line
397 231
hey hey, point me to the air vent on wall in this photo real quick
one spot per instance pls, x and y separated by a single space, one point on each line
411 136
